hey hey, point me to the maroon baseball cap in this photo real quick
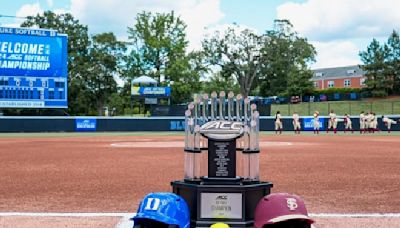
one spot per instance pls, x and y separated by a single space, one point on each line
279 207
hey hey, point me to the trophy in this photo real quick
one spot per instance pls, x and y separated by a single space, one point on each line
221 168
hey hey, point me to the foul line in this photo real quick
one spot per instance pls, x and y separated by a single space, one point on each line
56 214
320 215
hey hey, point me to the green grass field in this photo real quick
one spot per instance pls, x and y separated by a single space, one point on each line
340 107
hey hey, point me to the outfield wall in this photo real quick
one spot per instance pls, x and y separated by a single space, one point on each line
109 124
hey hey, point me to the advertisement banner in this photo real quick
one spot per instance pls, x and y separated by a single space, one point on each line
141 91
308 123
152 101
24 55
85 124
176 125
33 68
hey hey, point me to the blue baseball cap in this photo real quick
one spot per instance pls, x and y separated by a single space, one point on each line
164 207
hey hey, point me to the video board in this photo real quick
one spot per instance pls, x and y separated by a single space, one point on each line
33 68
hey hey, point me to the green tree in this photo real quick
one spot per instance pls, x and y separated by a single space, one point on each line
78 42
286 55
105 55
118 103
393 60
219 82
159 48
185 74
237 53
377 74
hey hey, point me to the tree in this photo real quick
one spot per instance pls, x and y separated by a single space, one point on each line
286 56
185 74
219 82
377 71
78 42
275 63
159 50
237 53
393 59
105 54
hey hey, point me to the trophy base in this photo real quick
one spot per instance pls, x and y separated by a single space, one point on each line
229 203
221 181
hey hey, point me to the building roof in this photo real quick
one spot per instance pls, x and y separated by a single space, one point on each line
338 72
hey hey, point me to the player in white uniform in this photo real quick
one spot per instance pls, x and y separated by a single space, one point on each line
347 124
296 123
278 123
368 122
316 122
374 123
388 122
332 122
362 122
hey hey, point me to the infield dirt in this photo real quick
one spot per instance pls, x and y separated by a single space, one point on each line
334 174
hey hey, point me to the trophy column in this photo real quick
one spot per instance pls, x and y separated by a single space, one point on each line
221 180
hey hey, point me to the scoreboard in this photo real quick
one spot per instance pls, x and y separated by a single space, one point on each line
33 68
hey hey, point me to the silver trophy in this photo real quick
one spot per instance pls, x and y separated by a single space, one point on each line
222 181
215 112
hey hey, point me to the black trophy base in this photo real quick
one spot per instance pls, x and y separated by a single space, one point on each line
232 204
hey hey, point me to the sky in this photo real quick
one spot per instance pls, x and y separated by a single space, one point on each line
338 29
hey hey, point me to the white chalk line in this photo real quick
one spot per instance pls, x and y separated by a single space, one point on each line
130 215
125 222
62 214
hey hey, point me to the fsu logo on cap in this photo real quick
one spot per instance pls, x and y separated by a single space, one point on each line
291 203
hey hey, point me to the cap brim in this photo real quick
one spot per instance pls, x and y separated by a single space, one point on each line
289 217
154 217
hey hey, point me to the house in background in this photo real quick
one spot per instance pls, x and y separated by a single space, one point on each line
339 77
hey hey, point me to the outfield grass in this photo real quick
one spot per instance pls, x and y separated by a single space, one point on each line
340 107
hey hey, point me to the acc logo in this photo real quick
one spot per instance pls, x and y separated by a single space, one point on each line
222 197
221 129
152 204
291 203
225 125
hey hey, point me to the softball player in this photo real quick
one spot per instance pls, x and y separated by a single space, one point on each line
374 123
388 122
296 123
278 123
368 122
332 122
316 122
347 124
362 122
